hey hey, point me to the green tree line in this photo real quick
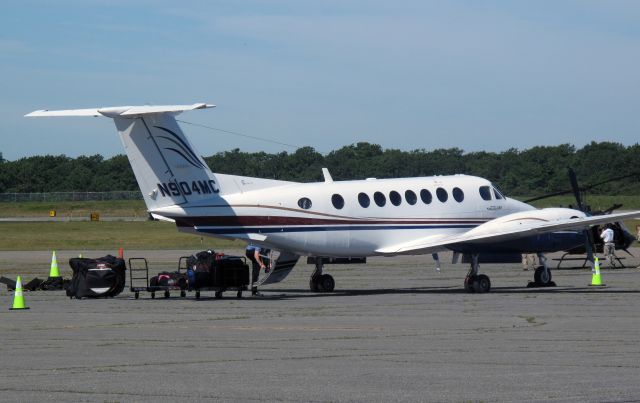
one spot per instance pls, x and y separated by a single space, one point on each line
533 171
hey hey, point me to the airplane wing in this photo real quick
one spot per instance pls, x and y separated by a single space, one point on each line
434 244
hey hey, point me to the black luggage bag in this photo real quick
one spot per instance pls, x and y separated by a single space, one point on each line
208 269
230 272
97 278
199 268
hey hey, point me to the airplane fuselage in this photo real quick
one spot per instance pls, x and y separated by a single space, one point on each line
348 218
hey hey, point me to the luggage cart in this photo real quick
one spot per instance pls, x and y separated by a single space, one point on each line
219 290
228 284
139 270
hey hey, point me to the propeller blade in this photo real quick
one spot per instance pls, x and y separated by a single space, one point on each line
588 244
575 188
610 209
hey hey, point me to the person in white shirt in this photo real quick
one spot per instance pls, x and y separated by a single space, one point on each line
609 245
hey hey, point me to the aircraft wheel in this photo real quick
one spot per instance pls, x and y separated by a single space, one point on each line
314 284
482 283
468 283
541 276
326 283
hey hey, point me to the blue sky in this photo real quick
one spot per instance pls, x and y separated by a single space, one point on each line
478 75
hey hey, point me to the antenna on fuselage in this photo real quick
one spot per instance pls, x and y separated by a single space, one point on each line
327 175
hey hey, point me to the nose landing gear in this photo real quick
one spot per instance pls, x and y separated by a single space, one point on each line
542 275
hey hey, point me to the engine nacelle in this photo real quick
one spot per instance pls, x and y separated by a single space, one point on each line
524 219
544 242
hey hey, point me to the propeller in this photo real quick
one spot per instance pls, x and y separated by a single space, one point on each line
588 235
578 192
583 189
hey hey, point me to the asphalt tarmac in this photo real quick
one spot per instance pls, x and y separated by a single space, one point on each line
394 330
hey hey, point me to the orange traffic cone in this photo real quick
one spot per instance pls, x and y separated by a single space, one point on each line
18 298
121 253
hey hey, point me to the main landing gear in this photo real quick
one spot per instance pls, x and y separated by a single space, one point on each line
321 282
542 275
475 282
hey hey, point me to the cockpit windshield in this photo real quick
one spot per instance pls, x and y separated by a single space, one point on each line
498 194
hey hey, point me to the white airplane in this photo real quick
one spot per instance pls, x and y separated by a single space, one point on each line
333 219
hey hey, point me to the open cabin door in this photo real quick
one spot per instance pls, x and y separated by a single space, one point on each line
281 264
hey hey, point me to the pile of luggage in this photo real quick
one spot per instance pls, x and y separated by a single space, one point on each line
208 269
105 277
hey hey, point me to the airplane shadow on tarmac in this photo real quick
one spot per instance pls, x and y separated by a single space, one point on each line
292 294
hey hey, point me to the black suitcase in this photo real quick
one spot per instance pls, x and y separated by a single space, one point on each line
230 272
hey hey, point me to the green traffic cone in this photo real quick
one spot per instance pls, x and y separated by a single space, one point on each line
18 298
54 266
596 279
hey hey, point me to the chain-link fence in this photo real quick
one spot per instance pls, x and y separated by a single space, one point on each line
70 196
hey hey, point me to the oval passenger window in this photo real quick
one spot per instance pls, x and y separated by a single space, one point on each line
395 198
379 198
442 194
364 200
304 203
337 201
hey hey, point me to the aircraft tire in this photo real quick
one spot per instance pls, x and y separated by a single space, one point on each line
468 284
540 278
482 283
314 284
326 283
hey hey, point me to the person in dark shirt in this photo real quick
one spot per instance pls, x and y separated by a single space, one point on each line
253 253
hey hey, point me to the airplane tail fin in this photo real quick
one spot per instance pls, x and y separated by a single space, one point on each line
168 170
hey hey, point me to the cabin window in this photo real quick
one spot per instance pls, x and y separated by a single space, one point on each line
426 197
395 198
442 194
458 194
410 197
338 201
364 200
379 198
485 192
304 203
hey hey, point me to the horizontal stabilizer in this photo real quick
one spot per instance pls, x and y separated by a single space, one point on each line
123 111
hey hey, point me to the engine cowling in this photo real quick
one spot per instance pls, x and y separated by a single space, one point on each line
544 242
